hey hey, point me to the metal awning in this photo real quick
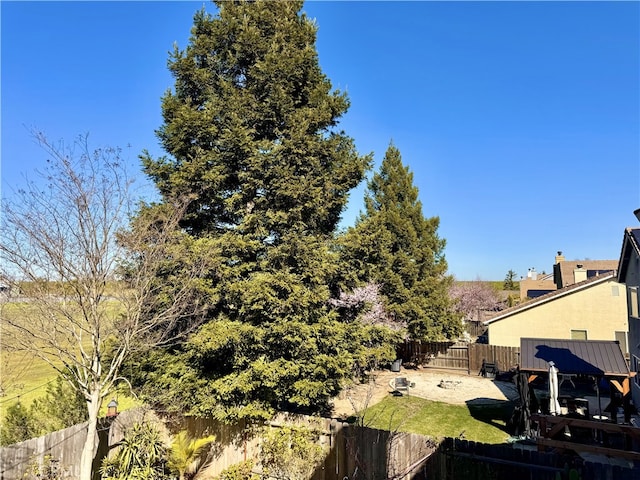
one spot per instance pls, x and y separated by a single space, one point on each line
600 358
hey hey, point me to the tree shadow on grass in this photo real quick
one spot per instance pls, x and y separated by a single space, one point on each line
491 411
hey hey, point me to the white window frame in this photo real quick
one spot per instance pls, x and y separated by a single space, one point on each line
633 301
635 366
624 345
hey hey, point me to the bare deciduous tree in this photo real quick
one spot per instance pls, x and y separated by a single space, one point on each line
88 277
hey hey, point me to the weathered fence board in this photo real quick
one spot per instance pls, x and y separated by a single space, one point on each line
64 447
456 459
457 356
352 452
505 357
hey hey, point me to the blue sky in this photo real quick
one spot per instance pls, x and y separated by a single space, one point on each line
520 121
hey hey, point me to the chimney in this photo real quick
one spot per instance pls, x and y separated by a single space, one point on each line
579 273
559 257
534 274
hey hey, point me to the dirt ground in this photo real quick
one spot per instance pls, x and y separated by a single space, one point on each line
438 385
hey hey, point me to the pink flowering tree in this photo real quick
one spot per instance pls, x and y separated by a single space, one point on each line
472 298
366 305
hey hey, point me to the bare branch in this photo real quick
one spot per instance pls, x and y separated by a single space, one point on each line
86 277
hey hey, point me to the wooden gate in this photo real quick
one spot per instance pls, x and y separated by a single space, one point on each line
448 355
457 356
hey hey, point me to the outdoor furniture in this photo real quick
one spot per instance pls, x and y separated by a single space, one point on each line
400 384
567 377
551 429
395 366
489 369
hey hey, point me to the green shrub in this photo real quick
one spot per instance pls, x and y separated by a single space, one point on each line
18 425
141 456
291 452
62 406
239 471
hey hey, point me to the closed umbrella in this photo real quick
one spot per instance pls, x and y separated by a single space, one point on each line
554 405
524 420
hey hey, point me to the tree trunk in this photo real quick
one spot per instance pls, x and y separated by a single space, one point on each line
90 444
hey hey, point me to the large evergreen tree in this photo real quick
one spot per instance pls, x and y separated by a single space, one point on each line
395 246
250 133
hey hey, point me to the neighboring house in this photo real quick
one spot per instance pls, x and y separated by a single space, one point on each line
569 272
536 284
593 309
629 274
565 273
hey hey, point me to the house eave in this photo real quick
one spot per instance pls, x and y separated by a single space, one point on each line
550 297
628 245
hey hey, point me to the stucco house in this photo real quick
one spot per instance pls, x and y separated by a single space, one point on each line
592 309
629 275
536 284
569 272
565 273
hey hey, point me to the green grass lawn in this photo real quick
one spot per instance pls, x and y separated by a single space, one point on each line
25 377
484 423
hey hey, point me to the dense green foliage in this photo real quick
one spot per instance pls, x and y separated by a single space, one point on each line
62 406
251 140
395 246
186 454
239 471
509 281
17 425
141 456
291 452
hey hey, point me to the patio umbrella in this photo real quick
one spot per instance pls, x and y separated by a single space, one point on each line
554 405
523 425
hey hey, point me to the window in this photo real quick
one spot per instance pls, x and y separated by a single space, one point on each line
633 301
578 334
615 291
635 367
621 337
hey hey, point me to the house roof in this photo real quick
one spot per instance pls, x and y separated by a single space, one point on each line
588 283
567 267
601 358
630 243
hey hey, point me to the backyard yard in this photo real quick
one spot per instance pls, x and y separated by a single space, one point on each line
439 404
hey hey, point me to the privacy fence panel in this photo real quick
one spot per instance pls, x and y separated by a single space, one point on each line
353 453
457 356
63 447
460 459
505 358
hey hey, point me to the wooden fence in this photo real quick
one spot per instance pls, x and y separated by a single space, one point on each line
467 357
478 461
64 447
352 452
